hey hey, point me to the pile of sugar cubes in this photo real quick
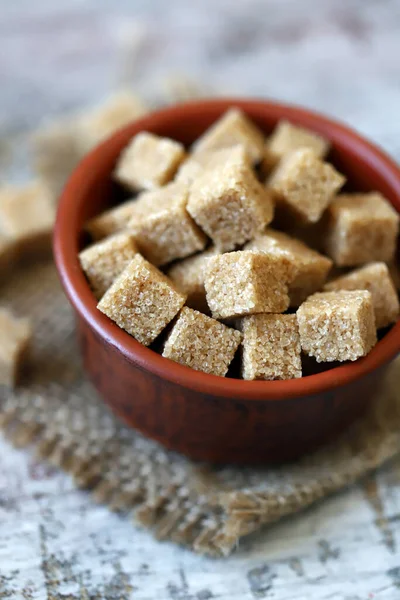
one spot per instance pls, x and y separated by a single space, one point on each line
193 251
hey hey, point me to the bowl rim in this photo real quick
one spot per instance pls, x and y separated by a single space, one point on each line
82 299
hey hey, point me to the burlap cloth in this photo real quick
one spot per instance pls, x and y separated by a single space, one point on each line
57 412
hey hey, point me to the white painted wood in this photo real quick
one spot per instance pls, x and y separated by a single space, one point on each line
339 56
55 541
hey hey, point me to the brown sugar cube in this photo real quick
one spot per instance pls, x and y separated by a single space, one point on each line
230 205
311 268
104 261
234 127
245 283
116 219
142 300
188 276
304 185
111 221
195 165
271 347
202 343
361 228
148 162
375 278
148 203
15 336
27 217
168 232
287 137
337 326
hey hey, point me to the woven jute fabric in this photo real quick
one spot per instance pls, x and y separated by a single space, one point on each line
57 412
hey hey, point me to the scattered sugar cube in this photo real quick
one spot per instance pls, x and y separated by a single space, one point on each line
102 121
311 268
337 326
148 162
148 203
167 232
202 343
245 283
188 275
230 205
271 347
375 278
142 300
361 228
234 127
287 137
27 217
304 185
195 165
104 261
111 221
15 336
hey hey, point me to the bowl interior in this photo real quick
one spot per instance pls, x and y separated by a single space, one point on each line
91 190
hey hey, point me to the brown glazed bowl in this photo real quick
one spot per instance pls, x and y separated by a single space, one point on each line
222 420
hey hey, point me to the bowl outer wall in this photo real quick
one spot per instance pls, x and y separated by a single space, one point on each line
219 429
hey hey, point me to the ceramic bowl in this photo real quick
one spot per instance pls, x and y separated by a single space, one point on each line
222 420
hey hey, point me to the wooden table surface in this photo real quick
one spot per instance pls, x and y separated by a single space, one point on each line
339 56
